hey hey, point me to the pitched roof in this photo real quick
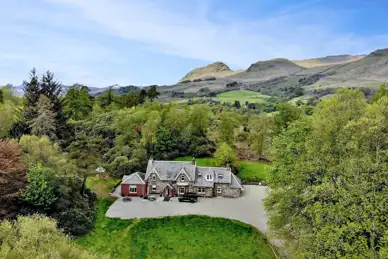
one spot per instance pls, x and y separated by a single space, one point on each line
135 178
200 180
168 170
236 183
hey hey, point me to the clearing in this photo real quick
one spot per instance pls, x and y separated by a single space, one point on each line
101 186
174 237
249 171
242 96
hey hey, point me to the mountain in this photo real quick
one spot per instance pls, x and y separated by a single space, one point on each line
282 77
329 60
265 70
216 69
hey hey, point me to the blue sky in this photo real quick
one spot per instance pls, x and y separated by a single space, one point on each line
106 42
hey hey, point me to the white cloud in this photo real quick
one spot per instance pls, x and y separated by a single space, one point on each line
58 38
293 33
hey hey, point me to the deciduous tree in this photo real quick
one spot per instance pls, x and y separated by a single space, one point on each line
329 180
37 237
78 102
225 155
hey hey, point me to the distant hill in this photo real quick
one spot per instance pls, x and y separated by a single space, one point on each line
265 70
329 60
216 69
95 91
285 78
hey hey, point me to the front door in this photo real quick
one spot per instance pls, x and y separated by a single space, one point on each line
168 191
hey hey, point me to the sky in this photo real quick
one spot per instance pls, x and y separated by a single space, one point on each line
131 42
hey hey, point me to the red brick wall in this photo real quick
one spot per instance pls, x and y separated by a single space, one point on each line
141 190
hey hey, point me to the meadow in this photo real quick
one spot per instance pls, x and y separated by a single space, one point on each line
249 171
189 236
242 96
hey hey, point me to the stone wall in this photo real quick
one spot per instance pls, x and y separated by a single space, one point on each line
208 192
226 191
159 184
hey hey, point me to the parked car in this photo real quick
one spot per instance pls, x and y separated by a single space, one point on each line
188 197
126 198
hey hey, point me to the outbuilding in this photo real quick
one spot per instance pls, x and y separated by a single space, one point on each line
134 185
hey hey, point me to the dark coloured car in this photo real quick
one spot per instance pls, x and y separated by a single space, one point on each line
188 197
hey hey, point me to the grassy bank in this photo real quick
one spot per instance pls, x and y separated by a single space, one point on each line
246 170
101 186
174 237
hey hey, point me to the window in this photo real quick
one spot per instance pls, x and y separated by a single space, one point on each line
209 177
154 177
132 189
153 188
182 190
182 178
201 190
220 176
219 190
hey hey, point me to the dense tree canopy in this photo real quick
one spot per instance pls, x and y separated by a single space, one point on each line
37 237
78 103
330 181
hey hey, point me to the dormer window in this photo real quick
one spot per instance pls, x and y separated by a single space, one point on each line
220 176
182 178
209 177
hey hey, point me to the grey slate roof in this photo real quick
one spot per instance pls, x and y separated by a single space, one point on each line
135 178
236 183
200 180
169 170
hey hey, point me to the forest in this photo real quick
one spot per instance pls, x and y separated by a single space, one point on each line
328 177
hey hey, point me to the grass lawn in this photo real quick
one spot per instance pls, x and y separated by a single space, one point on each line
247 170
242 96
174 237
253 171
101 186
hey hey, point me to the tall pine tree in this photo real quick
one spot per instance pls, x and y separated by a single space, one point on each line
29 112
32 91
52 89
44 123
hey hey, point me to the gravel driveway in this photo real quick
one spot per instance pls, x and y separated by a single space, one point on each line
248 208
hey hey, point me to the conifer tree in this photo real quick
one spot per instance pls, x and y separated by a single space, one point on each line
152 94
44 123
31 96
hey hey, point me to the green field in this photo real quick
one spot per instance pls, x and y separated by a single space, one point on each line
242 96
174 237
101 187
246 170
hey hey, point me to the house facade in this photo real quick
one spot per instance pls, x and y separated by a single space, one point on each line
174 178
